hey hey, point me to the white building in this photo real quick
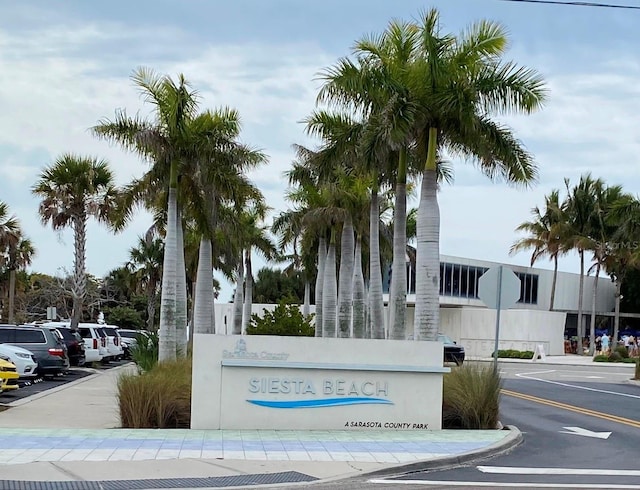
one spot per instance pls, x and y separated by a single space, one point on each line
468 321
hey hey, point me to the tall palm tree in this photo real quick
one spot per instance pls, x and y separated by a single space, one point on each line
545 235
579 207
73 189
19 257
146 257
167 143
9 230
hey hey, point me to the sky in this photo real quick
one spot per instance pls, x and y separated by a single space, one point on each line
65 65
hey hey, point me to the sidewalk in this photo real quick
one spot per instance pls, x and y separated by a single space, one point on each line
565 360
70 435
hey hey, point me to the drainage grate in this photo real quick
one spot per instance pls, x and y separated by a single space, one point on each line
218 481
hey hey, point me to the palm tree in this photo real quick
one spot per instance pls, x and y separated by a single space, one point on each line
545 235
72 190
147 257
167 143
19 257
9 230
579 209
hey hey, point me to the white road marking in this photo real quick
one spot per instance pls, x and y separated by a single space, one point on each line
578 376
528 376
508 470
579 431
446 483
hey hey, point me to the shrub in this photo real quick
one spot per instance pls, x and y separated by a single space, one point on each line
601 358
623 351
156 399
286 319
471 397
145 352
615 356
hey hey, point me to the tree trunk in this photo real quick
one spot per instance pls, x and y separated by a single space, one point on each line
322 257
306 307
367 313
592 327
359 330
427 312
248 292
79 285
238 300
151 306
12 295
376 302
330 294
167 333
345 290
580 294
398 287
203 297
616 317
181 291
553 283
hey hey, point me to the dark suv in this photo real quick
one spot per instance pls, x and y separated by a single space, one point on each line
74 342
48 347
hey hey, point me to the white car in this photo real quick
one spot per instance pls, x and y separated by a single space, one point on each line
114 342
95 342
23 359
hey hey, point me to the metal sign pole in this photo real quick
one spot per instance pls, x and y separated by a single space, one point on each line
498 305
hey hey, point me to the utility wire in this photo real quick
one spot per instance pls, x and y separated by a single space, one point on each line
579 4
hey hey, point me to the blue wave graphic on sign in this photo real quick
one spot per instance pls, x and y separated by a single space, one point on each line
327 402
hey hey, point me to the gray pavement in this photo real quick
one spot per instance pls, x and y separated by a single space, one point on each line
69 434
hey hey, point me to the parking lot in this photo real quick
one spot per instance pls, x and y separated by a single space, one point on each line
39 385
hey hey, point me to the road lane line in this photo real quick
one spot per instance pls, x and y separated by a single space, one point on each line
508 470
447 483
573 408
525 376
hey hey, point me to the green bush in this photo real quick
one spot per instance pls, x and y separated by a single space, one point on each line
514 354
471 397
145 352
286 319
615 357
601 358
622 350
156 399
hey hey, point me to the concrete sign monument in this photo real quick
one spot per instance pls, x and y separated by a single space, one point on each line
305 383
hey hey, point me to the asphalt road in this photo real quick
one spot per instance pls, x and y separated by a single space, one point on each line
581 430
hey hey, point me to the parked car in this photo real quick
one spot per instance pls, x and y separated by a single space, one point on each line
130 339
23 359
48 348
114 342
8 374
73 341
95 342
452 351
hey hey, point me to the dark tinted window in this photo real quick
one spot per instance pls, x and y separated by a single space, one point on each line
110 331
129 335
101 332
66 334
29 336
85 333
7 335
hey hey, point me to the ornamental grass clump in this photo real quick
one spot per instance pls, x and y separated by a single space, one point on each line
157 399
471 397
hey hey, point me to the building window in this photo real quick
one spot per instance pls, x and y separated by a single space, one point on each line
456 281
473 282
448 273
528 288
441 279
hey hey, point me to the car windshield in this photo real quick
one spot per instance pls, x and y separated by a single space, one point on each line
445 340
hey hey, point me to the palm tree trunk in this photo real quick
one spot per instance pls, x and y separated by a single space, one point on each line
306 307
367 310
248 292
345 290
167 334
427 311
580 294
238 300
330 293
616 316
322 257
359 330
594 297
151 306
203 301
398 287
79 285
181 291
12 295
376 302
553 283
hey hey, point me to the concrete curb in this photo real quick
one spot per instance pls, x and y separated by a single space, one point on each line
635 382
552 363
512 440
51 391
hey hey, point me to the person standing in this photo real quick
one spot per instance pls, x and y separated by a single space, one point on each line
605 343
